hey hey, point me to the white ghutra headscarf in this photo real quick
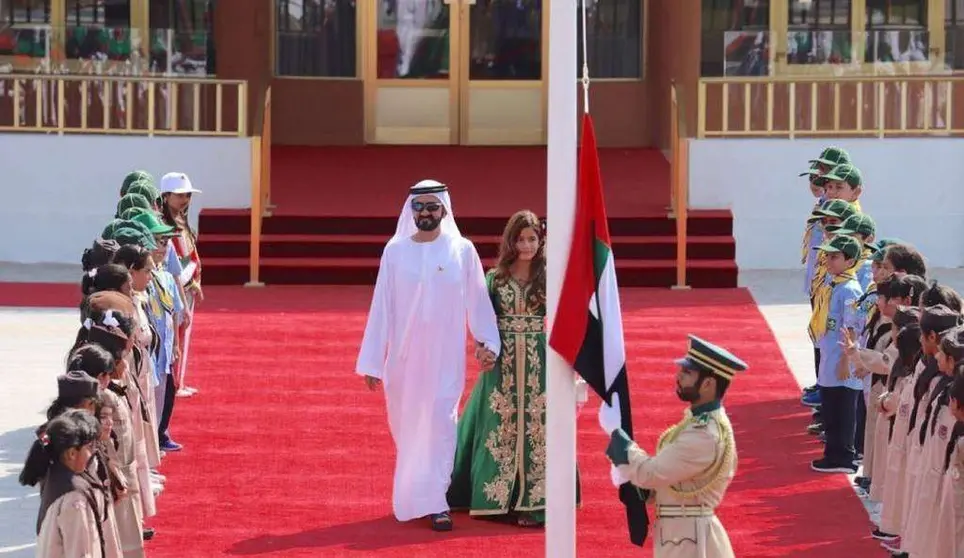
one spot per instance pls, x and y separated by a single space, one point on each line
406 220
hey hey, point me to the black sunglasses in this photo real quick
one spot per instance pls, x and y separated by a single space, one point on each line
432 207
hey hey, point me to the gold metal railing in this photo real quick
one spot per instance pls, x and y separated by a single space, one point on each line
123 105
870 106
679 174
260 186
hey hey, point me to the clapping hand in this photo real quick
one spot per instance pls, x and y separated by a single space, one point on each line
610 417
848 344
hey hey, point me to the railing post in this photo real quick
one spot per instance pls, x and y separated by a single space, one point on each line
254 263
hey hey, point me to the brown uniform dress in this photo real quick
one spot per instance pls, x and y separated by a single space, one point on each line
949 540
891 514
932 478
127 510
913 474
70 530
874 361
695 462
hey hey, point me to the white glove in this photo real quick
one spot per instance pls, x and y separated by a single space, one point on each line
582 395
609 417
616 476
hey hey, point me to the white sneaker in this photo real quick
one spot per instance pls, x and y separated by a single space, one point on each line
157 488
158 478
189 389
183 393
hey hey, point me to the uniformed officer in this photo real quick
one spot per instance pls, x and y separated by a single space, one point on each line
695 460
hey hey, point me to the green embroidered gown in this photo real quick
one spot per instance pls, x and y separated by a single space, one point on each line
500 461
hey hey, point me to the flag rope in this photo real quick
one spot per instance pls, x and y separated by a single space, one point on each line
585 63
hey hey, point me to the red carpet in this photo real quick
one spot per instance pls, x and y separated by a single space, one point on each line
485 181
286 453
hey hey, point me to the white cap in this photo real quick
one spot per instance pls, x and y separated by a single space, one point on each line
177 183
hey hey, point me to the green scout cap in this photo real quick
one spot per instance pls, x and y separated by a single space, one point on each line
154 225
129 214
814 170
838 209
849 246
858 223
130 235
846 173
133 200
108 232
880 247
133 177
139 227
832 156
145 189
706 357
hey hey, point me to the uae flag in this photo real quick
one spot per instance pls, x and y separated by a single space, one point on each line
588 328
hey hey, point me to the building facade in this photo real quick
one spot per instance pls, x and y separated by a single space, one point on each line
474 72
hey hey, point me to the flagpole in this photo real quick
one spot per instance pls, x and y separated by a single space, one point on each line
561 203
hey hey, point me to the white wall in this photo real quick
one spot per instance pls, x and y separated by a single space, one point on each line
60 191
913 190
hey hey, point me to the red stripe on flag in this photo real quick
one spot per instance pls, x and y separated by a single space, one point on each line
569 328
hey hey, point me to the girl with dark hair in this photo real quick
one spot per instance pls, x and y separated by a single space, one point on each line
871 358
100 253
935 321
176 192
93 360
896 405
949 535
935 433
73 504
517 288
108 277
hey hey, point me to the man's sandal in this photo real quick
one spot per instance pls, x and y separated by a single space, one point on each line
441 521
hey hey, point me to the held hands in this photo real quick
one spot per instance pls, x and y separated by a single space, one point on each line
485 357
616 477
609 416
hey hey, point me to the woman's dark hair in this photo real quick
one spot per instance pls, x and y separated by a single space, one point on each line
61 405
92 359
939 319
508 254
167 215
907 286
125 326
909 346
904 258
108 277
100 253
905 316
941 294
952 344
73 429
132 256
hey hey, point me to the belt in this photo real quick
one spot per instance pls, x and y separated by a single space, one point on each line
519 323
675 511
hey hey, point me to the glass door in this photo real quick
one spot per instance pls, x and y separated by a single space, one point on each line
502 92
411 85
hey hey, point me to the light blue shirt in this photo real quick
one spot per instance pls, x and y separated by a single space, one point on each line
171 262
865 274
816 239
166 325
843 313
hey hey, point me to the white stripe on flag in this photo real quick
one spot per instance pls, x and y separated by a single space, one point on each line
614 352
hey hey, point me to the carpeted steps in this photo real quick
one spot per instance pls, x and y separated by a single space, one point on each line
311 250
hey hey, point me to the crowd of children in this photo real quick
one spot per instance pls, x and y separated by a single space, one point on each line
889 356
96 459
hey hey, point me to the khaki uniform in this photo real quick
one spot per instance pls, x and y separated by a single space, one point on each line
694 464
70 530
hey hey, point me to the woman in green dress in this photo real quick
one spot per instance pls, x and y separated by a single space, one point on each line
500 462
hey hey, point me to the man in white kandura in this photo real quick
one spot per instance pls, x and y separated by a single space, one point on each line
430 283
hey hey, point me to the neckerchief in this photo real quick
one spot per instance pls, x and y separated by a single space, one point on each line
819 273
808 236
161 301
821 303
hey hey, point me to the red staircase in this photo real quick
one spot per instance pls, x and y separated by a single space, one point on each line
315 250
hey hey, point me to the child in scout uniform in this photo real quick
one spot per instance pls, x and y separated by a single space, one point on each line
135 176
73 504
694 462
895 405
835 310
130 201
936 320
176 193
936 432
831 212
949 536
829 158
